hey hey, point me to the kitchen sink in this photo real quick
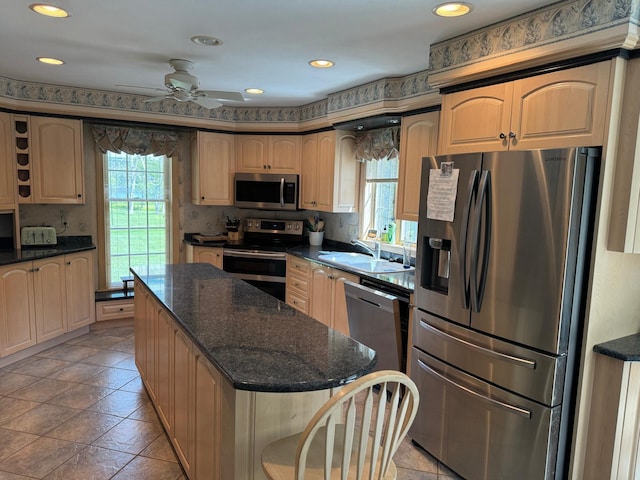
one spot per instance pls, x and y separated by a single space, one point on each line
362 262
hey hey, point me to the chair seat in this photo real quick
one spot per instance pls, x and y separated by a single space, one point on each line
279 458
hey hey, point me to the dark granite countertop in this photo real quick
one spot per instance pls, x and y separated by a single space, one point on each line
626 349
258 342
65 245
402 280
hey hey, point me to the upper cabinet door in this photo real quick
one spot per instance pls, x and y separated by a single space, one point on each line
7 162
284 154
251 153
561 109
325 171
212 168
309 167
57 160
476 120
418 138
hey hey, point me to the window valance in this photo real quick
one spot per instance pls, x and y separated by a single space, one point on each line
134 141
379 144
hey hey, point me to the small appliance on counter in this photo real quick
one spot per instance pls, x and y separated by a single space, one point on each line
37 236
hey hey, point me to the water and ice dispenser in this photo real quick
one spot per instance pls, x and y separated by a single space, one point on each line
436 262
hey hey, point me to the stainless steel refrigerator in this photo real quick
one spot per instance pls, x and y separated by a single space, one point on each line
503 250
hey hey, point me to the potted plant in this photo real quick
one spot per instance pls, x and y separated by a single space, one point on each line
315 225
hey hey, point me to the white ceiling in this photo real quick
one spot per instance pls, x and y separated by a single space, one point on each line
266 43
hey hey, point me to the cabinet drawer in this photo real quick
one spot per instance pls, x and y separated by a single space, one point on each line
296 264
298 283
298 302
114 309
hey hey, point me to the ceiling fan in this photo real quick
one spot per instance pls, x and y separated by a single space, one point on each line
183 87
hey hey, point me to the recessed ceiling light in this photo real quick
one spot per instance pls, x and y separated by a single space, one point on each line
206 40
50 61
319 63
452 9
50 10
254 91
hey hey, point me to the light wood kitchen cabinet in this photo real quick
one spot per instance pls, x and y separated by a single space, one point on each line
330 173
140 327
55 161
212 168
298 283
566 108
212 255
80 289
49 298
164 359
268 153
207 422
8 197
328 301
17 308
418 138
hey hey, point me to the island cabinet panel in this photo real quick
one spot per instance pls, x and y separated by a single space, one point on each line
566 108
165 366
418 138
212 168
139 327
183 397
208 414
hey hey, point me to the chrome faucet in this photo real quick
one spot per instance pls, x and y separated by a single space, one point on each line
375 251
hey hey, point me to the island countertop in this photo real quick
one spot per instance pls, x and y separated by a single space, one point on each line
258 342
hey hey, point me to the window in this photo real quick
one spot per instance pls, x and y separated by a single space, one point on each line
379 201
137 216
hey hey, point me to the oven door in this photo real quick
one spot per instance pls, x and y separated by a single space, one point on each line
265 270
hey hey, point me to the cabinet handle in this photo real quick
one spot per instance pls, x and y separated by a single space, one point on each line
269 167
512 135
264 166
79 195
68 263
502 136
201 198
121 309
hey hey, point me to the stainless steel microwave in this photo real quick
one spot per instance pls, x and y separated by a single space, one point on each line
266 191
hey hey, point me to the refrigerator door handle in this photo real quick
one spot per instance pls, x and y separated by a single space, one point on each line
522 412
484 200
463 240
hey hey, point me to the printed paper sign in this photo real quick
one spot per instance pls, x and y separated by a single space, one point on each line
443 188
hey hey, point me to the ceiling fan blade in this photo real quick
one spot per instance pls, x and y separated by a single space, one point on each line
181 84
158 99
235 96
155 89
209 103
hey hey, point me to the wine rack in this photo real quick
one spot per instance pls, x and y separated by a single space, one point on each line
23 157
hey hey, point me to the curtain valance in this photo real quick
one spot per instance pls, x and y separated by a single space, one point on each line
379 144
134 141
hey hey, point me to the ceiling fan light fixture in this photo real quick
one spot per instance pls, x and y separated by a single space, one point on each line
206 40
50 10
50 60
254 91
321 63
452 9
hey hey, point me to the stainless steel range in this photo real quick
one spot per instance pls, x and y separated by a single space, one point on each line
261 258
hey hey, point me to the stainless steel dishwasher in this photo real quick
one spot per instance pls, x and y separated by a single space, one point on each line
374 320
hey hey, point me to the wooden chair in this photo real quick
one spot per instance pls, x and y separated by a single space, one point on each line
356 431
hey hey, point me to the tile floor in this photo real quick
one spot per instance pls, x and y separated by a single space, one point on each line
78 411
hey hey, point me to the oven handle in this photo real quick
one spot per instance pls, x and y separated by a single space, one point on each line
282 191
250 254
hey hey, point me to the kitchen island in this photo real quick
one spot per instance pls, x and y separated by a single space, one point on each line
230 368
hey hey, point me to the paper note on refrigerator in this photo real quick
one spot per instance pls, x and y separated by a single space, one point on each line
443 188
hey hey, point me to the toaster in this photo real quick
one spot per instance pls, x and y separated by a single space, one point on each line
36 236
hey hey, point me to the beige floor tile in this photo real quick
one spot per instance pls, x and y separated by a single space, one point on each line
12 441
18 364
70 353
10 382
40 457
146 413
11 408
13 476
92 463
80 396
112 378
42 390
98 341
135 386
42 367
106 358
142 468
123 331
130 436
409 456
86 427
407 474
77 372
120 403
160 449
40 419
126 346
128 363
